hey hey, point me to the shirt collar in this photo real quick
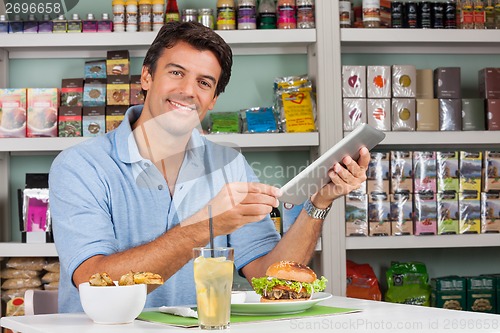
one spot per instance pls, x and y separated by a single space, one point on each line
127 148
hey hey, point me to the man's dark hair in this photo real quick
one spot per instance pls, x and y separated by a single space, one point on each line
199 37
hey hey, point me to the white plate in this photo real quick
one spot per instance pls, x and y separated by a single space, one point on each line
253 306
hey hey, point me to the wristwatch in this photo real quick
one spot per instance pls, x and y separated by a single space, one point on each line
315 212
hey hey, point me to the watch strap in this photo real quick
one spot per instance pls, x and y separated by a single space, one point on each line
315 212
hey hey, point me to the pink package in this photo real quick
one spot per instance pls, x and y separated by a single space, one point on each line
425 214
12 113
36 209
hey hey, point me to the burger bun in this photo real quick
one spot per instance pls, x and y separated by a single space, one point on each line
267 300
289 270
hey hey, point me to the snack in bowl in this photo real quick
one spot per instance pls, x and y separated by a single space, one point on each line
101 279
140 278
288 281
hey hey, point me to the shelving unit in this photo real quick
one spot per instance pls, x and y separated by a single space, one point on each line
440 249
53 46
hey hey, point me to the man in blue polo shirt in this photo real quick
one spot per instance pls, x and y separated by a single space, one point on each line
137 198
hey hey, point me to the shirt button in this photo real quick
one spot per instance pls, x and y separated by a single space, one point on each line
160 187
146 165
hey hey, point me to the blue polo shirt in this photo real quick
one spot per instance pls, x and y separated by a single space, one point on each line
105 198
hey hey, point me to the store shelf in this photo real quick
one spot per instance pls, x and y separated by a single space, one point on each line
420 242
271 141
420 41
460 139
86 45
28 250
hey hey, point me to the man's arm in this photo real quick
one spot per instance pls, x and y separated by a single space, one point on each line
300 240
234 206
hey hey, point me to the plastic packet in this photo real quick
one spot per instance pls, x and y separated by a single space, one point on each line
50 277
259 120
362 282
295 103
12 273
21 283
224 122
51 285
29 263
408 283
52 265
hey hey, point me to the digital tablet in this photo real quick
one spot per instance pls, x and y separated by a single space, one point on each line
315 175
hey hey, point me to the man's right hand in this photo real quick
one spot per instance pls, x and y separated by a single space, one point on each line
238 204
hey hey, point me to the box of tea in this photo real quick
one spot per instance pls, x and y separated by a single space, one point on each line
404 81
401 214
449 292
114 116
94 120
42 112
12 113
70 121
118 63
72 92
118 90
448 213
354 112
354 81
356 215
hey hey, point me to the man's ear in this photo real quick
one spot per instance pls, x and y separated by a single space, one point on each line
146 78
212 104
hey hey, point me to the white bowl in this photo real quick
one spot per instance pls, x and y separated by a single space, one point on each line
113 304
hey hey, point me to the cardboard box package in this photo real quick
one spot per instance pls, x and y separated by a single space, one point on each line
378 215
490 212
450 114
356 215
449 292
427 114
354 113
94 120
70 121
354 81
401 171
448 213
378 111
489 82
493 114
425 83
481 294
42 112
447 82
118 63
404 81
401 214
403 114
424 167
447 171
473 114
470 167
378 81
470 215
491 179
12 113
425 213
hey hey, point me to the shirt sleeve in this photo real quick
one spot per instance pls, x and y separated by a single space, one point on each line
256 239
81 220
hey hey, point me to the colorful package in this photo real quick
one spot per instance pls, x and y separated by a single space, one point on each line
354 81
447 171
424 166
42 112
425 213
379 208
354 110
401 214
362 282
36 212
12 113
378 81
259 120
94 121
448 213
449 293
72 92
136 94
224 122
118 63
118 90
491 179
401 171
95 69
403 114
114 116
490 215
356 215
295 104
408 283
94 92
404 81
378 112
470 167
70 121
470 215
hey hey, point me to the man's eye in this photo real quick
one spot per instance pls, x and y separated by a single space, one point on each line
177 73
206 84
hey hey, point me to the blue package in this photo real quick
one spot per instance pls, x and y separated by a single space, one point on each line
260 120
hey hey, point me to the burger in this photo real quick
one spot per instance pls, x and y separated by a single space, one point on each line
288 281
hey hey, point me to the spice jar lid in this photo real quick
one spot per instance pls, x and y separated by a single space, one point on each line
158 2
205 11
2 18
131 2
75 16
105 16
90 16
144 2
118 2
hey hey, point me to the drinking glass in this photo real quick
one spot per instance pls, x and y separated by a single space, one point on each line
213 277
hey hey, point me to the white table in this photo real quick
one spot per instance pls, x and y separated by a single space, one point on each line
374 317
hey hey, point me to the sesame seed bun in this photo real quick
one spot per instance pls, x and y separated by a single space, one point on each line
289 270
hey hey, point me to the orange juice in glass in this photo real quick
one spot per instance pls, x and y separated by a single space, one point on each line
213 277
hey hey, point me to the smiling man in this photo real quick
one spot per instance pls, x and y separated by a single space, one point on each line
137 198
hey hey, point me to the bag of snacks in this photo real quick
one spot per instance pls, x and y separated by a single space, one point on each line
294 102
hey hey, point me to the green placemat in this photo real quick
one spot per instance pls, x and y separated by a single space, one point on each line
316 310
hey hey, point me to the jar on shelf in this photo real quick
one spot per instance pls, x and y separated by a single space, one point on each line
371 13
286 14
145 15
206 17
131 16
158 9
189 15
172 11
345 7
226 15
305 14
267 14
118 15
247 15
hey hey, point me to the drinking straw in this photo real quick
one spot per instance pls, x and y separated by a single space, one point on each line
211 228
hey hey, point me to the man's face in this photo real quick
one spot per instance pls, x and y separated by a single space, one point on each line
181 90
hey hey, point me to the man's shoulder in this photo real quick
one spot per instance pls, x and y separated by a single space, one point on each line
93 148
